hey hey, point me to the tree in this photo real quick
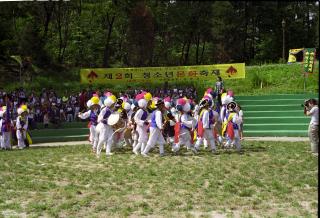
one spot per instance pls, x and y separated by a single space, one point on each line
141 36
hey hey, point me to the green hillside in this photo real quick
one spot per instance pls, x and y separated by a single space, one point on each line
272 79
260 80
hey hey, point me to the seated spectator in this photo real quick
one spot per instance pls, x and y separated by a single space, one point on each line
69 112
54 115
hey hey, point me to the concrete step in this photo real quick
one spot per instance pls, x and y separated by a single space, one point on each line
283 127
280 96
292 133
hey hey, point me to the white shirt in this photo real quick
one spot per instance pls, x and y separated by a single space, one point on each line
137 118
185 120
314 113
241 115
18 123
237 119
158 119
223 112
205 119
84 115
102 113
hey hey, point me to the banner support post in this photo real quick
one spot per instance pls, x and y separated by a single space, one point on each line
304 82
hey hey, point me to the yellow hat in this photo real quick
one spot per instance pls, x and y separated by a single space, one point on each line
4 108
24 107
153 105
95 100
223 95
148 96
113 98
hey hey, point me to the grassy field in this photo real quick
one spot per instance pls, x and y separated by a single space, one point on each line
270 179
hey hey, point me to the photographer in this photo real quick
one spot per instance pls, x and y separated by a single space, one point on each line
311 109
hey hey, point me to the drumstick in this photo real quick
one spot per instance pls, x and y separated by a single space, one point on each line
119 130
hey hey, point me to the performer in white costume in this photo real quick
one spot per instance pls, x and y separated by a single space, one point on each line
230 127
184 126
6 125
104 131
156 128
206 123
22 126
140 119
92 114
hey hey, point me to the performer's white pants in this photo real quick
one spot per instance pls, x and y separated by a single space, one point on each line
135 137
170 141
21 136
184 139
235 141
92 137
155 137
6 137
209 137
104 134
143 138
1 141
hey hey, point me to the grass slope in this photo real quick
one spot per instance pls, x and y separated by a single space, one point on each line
275 79
270 179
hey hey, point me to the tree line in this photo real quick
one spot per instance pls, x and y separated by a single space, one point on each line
125 33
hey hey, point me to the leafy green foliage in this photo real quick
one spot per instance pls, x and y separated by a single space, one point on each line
62 36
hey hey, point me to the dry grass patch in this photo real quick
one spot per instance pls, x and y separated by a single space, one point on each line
270 179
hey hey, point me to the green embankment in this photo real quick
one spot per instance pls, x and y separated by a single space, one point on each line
272 79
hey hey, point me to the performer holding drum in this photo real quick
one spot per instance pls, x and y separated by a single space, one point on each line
92 114
104 131
206 126
184 127
230 127
119 121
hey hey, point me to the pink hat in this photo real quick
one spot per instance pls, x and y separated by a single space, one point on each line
181 101
230 93
107 94
139 96
167 99
209 90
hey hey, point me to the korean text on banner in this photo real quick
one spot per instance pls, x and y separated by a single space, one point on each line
308 58
162 74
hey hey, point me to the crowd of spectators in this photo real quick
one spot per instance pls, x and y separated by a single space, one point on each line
49 107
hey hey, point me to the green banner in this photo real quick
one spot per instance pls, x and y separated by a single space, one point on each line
308 58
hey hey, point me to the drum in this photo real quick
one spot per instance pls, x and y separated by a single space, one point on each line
115 121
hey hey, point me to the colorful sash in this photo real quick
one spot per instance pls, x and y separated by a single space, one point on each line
227 126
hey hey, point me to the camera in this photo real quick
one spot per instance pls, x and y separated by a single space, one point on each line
306 103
